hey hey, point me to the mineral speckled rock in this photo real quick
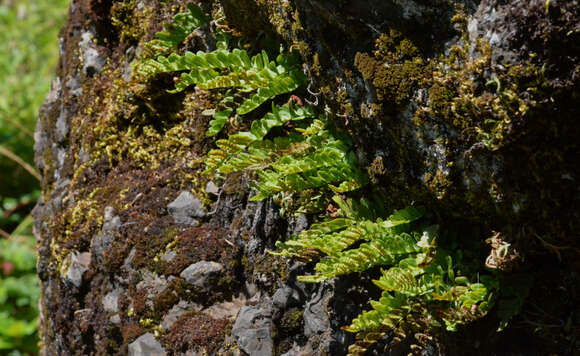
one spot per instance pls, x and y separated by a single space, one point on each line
316 319
186 209
253 330
93 62
75 267
102 241
200 274
146 345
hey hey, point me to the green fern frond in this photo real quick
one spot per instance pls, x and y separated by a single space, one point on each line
218 122
230 155
198 63
338 234
383 313
280 85
388 249
258 156
175 33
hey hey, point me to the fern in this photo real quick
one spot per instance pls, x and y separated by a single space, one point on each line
411 300
420 289
183 25
335 235
229 156
261 78
326 160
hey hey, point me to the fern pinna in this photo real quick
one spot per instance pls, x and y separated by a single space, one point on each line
420 289
256 79
295 151
175 33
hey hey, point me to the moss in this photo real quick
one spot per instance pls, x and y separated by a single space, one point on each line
171 295
196 331
269 269
130 22
132 331
291 322
395 70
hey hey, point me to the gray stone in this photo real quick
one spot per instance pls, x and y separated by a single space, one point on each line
285 297
252 330
186 209
75 266
74 86
298 350
211 188
111 301
62 126
226 310
93 62
178 310
316 319
168 256
103 240
152 284
146 345
115 319
201 274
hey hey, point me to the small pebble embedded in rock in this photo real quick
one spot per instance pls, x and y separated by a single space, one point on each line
186 209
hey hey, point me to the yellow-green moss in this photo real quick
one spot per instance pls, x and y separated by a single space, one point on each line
131 22
395 69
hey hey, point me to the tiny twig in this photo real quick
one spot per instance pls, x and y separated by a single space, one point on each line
7 153
4 234
216 204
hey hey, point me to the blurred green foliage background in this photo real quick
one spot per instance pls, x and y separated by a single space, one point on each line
28 56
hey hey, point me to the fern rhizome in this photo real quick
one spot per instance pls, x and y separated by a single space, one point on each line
422 291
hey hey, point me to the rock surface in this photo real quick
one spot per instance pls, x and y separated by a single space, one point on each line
466 107
202 273
186 208
146 345
253 330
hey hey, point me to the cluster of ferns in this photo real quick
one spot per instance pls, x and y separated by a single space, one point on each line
295 151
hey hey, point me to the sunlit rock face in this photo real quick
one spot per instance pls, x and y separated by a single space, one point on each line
469 108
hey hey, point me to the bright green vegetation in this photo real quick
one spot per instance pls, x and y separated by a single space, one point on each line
19 292
28 56
307 165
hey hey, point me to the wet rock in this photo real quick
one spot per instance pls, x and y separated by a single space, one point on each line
146 345
75 266
186 209
202 273
253 330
